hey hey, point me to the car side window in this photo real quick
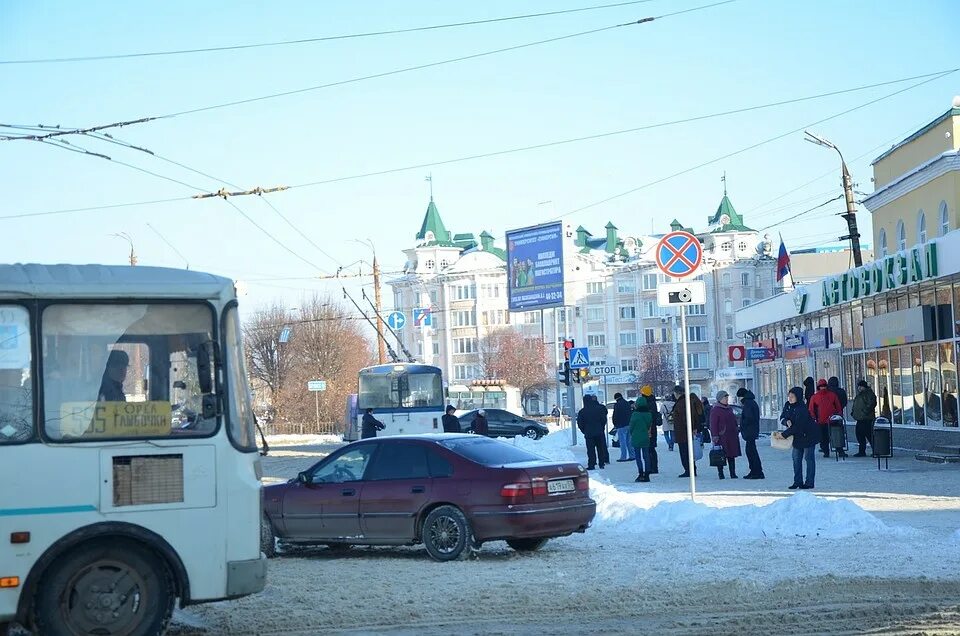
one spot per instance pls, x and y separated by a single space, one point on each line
399 461
348 466
439 466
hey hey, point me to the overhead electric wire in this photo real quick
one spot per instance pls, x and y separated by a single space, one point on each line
328 38
753 146
799 214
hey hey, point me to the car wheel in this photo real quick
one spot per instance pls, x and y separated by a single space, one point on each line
527 545
531 432
268 540
446 534
470 431
106 587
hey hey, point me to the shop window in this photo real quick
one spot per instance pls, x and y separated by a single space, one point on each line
948 371
944 219
921 227
930 388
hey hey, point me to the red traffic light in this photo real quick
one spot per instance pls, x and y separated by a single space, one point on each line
567 346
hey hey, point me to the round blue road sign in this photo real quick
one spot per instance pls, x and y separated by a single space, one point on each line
396 320
679 254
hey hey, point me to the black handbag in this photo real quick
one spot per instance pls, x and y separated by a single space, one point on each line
717 457
706 435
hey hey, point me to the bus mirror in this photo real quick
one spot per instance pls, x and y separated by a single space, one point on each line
203 369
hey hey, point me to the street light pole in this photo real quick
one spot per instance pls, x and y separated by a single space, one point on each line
126 237
853 234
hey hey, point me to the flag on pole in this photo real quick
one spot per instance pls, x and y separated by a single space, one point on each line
783 261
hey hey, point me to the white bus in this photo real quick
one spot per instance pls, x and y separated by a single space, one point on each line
129 467
406 397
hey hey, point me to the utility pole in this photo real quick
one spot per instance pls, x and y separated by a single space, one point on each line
126 237
851 214
381 352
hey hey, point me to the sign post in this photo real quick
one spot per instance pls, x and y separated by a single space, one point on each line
679 255
579 359
315 386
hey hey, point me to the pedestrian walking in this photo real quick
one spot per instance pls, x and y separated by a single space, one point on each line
684 402
705 429
450 422
750 431
592 420
555 414
723 427
824 405
809 389
646 393
621 423
864 411
369 425
803 430
666 417
640 422
480 425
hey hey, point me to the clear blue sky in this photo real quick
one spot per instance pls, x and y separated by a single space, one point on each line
746 53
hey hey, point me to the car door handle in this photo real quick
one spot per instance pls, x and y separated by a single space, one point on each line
348 492
418 489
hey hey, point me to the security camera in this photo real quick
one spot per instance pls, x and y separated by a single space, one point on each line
681 296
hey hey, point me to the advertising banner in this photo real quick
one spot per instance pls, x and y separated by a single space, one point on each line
535 267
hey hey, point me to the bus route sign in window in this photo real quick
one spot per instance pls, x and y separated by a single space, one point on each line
114 371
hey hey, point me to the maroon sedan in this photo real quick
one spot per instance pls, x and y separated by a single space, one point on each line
450 492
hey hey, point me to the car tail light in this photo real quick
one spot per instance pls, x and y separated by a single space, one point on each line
539 487
583 483
517 492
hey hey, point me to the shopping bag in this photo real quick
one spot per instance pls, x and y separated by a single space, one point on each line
697 447
717 457
780 443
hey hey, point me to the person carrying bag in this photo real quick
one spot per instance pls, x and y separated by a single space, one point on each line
726 437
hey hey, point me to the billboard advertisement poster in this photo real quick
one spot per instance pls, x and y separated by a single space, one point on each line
535 267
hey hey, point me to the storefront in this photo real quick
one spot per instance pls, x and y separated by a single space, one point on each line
894 323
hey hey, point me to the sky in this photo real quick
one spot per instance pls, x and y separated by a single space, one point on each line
740 54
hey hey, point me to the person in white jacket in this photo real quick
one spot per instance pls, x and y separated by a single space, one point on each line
666 408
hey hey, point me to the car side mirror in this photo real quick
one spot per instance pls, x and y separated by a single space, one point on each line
302 478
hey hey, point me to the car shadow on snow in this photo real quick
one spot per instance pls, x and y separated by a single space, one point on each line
493 551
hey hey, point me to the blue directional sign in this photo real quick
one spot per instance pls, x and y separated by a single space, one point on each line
679 254
580 358
396 320
423 317
761 353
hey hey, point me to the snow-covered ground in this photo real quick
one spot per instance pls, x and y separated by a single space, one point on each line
866 551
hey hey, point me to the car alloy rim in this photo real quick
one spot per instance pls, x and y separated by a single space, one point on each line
531 433
445 534
105 598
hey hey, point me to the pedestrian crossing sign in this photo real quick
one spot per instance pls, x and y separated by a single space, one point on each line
580 358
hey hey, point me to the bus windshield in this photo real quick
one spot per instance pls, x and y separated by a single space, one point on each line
401 389
114 371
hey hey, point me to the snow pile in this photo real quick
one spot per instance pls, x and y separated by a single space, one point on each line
555 446
802 514
303 440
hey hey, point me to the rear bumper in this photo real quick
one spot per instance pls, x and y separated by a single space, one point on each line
246 577
533 520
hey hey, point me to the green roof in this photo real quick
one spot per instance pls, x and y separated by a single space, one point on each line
433 223
734 222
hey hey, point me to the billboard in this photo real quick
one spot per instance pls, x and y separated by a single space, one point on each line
535 267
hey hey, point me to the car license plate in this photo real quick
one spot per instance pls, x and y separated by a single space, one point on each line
560 485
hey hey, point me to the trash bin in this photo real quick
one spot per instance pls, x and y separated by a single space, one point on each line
838 436
882 442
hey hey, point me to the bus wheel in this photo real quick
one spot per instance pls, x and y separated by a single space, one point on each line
105 588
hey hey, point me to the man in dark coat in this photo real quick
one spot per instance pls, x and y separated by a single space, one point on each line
646 393
683 402
592 420
480 426
864 411
621 423
750 431
111 385
450 422
369 425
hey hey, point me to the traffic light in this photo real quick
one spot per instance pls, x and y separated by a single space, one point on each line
563 375
567 346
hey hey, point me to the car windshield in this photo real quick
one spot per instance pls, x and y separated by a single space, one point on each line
489 452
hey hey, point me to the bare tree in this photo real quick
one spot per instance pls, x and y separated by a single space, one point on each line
657 367
325 343
517 359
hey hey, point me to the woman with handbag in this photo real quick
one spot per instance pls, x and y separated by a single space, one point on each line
726 437
806 436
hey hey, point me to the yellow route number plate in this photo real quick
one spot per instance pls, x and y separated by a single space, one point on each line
115 419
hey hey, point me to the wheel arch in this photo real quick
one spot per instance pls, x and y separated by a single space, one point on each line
96 532
422 517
